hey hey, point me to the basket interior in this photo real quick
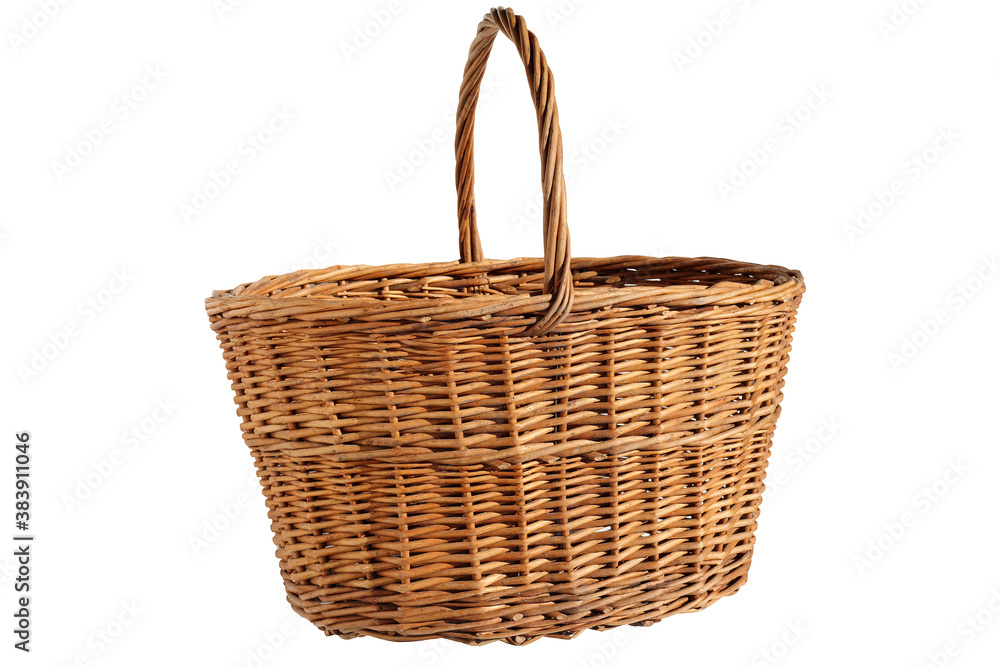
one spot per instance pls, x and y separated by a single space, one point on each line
455 280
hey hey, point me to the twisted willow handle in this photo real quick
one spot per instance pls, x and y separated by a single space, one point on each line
558 276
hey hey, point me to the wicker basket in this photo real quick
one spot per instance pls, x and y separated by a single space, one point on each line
505 450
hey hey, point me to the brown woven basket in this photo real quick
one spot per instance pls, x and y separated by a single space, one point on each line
505 450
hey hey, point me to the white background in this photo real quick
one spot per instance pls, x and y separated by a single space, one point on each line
868 546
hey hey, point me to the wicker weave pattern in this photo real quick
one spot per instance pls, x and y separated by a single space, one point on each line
487 450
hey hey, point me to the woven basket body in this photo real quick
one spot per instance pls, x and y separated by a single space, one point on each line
505 450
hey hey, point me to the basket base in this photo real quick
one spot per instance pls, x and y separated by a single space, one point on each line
638 604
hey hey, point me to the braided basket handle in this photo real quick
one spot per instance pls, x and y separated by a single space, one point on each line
558 276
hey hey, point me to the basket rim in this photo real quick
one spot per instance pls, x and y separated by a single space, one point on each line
294 300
